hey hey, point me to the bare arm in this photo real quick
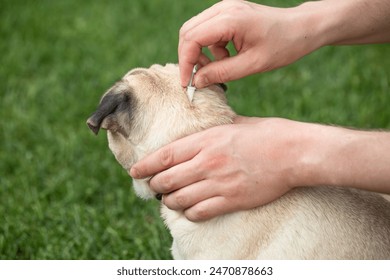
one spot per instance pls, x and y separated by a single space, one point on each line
336 156
356 21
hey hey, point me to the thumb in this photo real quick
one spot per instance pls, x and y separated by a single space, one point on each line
225 70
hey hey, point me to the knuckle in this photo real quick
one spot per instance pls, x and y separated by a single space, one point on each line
212 164
216 162
166 157
237 8
181 201
175 202
200 213
185 33
222 74
182 31
162 183
154 184
166 183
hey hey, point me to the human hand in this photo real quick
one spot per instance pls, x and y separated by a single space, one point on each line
265 38
226 168
256 160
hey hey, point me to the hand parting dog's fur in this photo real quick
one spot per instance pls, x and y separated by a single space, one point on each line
148 109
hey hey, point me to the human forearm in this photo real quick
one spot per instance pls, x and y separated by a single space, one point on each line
344 157
347 21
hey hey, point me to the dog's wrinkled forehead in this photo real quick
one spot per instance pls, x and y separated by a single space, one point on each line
155 78
140 73
155 72
162 77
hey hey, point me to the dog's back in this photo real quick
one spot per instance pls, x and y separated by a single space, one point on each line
306 223
332 223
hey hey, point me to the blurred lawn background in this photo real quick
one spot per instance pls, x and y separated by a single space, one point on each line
62 194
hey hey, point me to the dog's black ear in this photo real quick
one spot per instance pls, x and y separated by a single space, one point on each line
116 100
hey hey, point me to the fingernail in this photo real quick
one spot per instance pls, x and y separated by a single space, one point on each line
201 82
134 173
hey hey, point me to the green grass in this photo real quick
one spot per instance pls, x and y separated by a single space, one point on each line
62 194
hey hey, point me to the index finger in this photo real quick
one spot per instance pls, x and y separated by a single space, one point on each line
187 60
208 33
177 152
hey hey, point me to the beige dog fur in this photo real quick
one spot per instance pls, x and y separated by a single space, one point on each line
148 109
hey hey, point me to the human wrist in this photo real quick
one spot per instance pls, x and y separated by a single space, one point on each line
329 22
299 150
310 26
322 155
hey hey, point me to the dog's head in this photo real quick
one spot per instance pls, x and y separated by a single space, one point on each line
148 108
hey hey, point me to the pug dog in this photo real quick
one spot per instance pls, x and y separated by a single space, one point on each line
148 109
